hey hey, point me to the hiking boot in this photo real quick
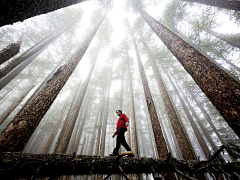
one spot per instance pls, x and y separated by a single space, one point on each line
130 155
114 154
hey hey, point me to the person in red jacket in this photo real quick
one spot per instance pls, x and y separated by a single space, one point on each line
122 124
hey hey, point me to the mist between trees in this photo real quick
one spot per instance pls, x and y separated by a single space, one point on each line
173 67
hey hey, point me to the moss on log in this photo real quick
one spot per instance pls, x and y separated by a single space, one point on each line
16 165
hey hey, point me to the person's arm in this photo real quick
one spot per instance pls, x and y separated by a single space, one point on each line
126 119
114 134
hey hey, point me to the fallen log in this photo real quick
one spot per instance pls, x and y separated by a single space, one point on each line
16 165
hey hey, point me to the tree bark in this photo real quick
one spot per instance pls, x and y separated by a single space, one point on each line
222 90
207 117
98 134
204 130
10 51
211 59
179 130
15 165
121 95
13 11
11 70
83 145
17 133
80 130
223 38
95 132
189 116
14 105
54 131
65 122
100 124
64 141
9 92
16 61
132 112
232 5
159 138
105 115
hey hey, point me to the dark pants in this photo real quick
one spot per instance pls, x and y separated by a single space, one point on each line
121 140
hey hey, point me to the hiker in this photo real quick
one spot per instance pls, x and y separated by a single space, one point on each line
122 124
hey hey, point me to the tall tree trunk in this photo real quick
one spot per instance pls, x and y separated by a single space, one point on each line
181 135
190 118
211 59
8 93
65 122
128 112
132 112
105 115
64 141
207 117
95 132
81 127
204 130
14 67
46 148
159 138
222 90
10 51
98 134
14 11
232 5
83 145
14 105
16 135
223 38
231 64
16 61
121 96
100 123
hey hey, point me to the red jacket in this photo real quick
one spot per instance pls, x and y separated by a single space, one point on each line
122 122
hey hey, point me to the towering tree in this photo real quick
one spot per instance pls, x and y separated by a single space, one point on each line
190 118
157 130
222 90
72 118
206 116
83 145
105 114
17 133
11 70
4 115
16 61
81 127
40 87
132 112
13 11
10 51
100 123
222 37
97 121
50 140
232 5
181 135
65 122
